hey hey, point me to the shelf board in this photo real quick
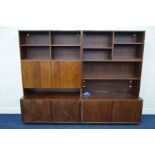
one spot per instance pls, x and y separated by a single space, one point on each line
65 45
52 96
56 45
74 60
111 95
36 59
115 60
126 60
113 78
96 60
35 45
96 48
128 43
52 93
50 60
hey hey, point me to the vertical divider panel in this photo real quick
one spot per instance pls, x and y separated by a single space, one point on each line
81 89
50 47
81 59
142 55
113 36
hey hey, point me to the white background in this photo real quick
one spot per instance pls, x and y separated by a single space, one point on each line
10 72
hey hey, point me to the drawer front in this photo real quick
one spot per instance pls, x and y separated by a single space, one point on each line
96 111
127 111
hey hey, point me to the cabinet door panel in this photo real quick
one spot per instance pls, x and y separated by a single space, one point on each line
66 110
35 110
96 111
126 111
66 74
36 74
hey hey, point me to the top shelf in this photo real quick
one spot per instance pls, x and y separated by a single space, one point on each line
78 45
65 38
90 46
97 40
89 39
50 38
34 38
130 38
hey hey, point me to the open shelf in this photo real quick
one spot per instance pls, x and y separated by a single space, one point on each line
62 45
35 53
113 60
34 38
52 93
129 38
65 53
97 48
34 45
111 95
97 39
65 38
96 54
127 52
111 70
108 78
128 43
111 89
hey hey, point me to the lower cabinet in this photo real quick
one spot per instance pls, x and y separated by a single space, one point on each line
36 110
76 110
67 110
52 110
96 111
127 111
111 111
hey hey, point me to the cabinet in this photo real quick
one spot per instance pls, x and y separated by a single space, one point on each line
66 74
47 74
50 110
81 76
35 110
112 111
66 110
36 74
97 111
127 111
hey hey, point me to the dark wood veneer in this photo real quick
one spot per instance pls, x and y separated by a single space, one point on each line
66 110
126 111
59 67
35 110
96 111
36 74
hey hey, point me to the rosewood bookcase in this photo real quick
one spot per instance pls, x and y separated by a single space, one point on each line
81 76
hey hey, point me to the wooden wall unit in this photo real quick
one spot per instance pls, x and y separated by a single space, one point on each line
81 76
